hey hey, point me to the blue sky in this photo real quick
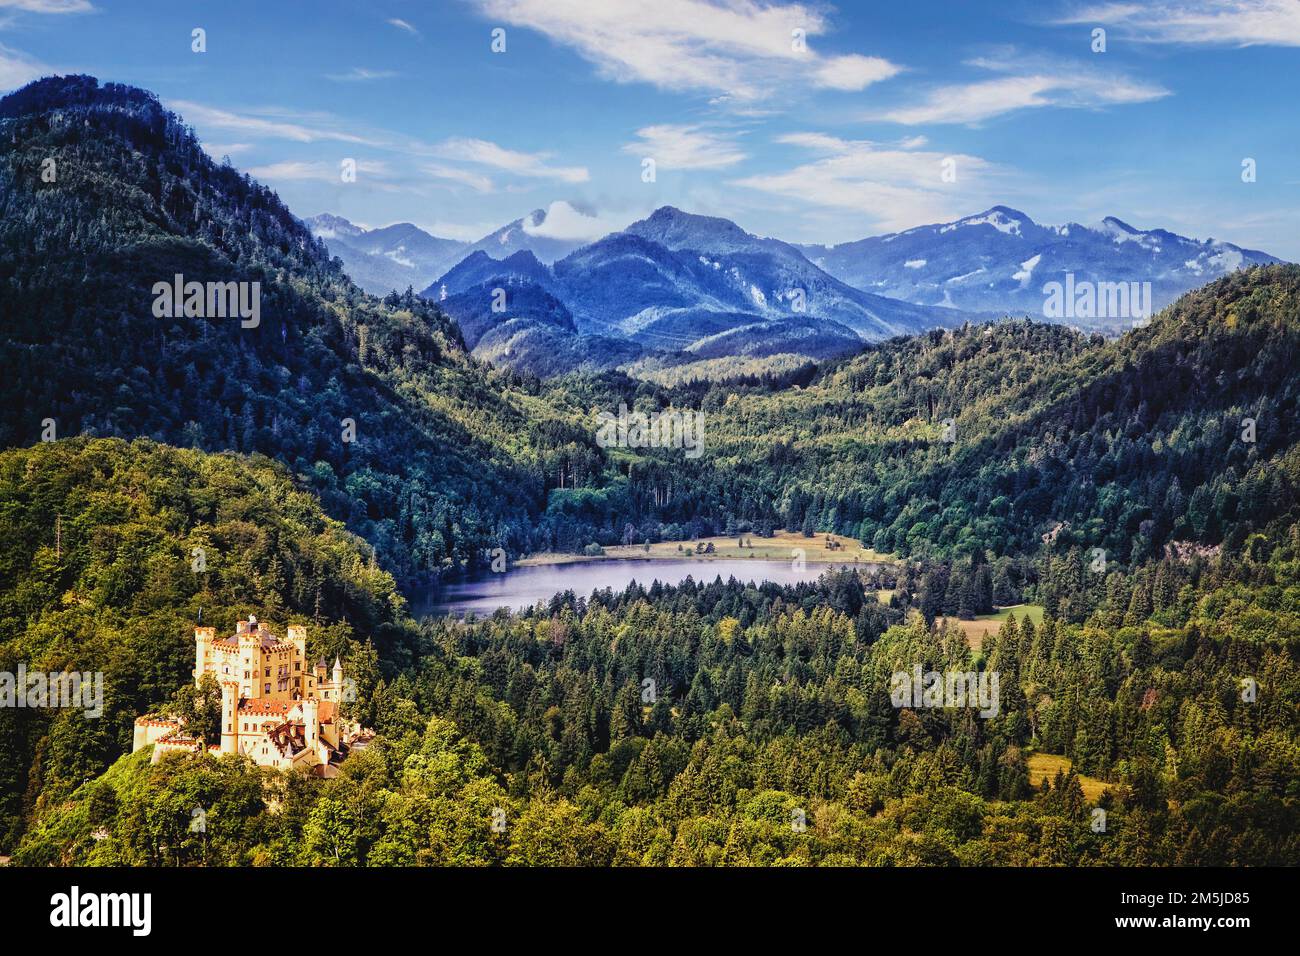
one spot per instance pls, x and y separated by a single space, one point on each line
838 132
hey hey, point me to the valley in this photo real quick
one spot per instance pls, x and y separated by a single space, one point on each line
1079 513
683 290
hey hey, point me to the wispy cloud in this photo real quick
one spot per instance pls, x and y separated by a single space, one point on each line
894 186
273 124
1207 22
278 123
482 152
684 147
217 150
361 74
742 49
465 177
402 25
852 72
18 69
290 171
1068 85
47 6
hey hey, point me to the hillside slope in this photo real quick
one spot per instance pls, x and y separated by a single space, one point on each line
1127 445
445 461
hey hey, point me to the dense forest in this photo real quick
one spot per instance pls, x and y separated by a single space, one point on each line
1144 491
765 736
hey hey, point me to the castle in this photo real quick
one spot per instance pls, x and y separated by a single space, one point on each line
274 708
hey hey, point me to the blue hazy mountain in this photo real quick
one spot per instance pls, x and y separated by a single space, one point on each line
682 283
701 286
1000 259
508 317
403 254
738 271
478 268
390 258
524 234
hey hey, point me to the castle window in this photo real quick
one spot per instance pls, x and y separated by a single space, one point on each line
266 688
268 672
297 665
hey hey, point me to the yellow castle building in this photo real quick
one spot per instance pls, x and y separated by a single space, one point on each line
275 709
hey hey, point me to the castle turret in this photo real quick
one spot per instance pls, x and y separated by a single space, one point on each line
203 638
250 642
229 717
338 676
311 722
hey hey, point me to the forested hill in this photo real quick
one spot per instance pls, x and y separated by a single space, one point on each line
111 551
104 193
1053 438
1057 439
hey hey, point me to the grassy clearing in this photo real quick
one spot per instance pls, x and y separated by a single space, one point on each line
1045 766
985 624
820 549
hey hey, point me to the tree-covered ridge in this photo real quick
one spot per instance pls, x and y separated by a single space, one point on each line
97 569
1127 445
449 459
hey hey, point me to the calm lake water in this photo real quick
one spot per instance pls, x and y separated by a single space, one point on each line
524 587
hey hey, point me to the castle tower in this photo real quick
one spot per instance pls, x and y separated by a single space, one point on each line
250 658
311 722
203 638
229 717
338 678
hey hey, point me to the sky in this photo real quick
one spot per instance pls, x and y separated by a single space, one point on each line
810 122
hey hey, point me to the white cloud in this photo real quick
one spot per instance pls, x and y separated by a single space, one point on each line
316 171
271 124
360 74
853 72
217 150
684 147
822 141
741 48
47 6
18 69
1209 22
402 25
463 176
485 153
563 221
893 186
984 99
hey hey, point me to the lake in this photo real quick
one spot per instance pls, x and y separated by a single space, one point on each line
523 587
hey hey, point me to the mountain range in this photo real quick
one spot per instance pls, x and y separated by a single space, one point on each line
685 287
404 256
1000 259
693 286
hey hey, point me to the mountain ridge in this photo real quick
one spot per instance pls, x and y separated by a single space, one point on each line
1002 258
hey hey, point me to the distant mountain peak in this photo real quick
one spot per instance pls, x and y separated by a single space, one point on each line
329 226
1002 218
675 229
